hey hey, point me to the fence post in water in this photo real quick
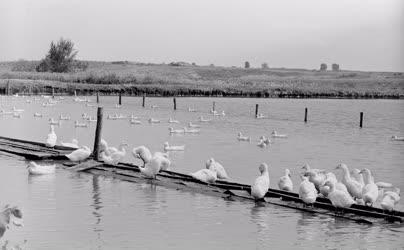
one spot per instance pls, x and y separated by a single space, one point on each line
144 98
8 88
98 97
175 104
214 106
96 152
256 110
53 92
361 119
120 97
305 115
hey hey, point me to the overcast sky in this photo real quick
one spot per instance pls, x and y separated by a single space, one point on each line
357 34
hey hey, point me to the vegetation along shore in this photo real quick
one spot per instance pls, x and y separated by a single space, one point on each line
182 79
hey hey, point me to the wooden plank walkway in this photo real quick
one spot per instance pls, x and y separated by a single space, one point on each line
226 189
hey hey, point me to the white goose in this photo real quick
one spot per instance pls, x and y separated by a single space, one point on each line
54 122
38 115
260 116
36 169
152 120
171 120
167 147
191 109
338 198
205 175
285 182
276 135
397 138
390 199
353 186
261 183
8 215
241 137
176 131
64 118
73 144
370 192
51 138
317 178
326 189
17 115
134 121
201 119
355 174
191 130
152 168
165 161
217 167
77 124
191 125
307 191
79 154
118 154
143 153
266 140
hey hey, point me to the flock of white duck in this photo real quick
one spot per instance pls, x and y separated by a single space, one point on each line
355 187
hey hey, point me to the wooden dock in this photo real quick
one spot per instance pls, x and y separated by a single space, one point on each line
225 189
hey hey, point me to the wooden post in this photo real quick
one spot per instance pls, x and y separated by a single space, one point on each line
120 98
144 99
214 106
361 119
98 97
175 104
305 115
96 151
53 92
8 88
256 110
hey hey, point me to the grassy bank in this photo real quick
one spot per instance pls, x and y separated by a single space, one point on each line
166 80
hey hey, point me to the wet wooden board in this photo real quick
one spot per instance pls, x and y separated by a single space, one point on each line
170 178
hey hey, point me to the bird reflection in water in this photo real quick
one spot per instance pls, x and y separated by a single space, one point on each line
259 216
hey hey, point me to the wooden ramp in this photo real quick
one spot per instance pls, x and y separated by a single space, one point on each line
33 150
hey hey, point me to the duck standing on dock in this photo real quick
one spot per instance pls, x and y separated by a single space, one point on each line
143 153
339 198
354 187
317 178
207 175
165 161
370 191
307 191
285 182
261 183
51 138
116 155
217 167
36 169
7 215
79 154
152 168
390 199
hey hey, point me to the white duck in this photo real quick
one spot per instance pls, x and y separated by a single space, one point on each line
201 119
38 115
79 154
165 161
354 187
191 125
176 131
134 121
51 138
262 144
285 182
241 137
143 153
276 135
118 154
338 198
355 174
6 216
73 144
390 199
326 189
191 109
216 166
317 178
106 158
260 116
53 122
152 120
307 191
266 140
261 183
397 138
167 147
306 167
36 169
77 124
191 130
205 175
17 115
61 117
370 192
171 120
152 168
